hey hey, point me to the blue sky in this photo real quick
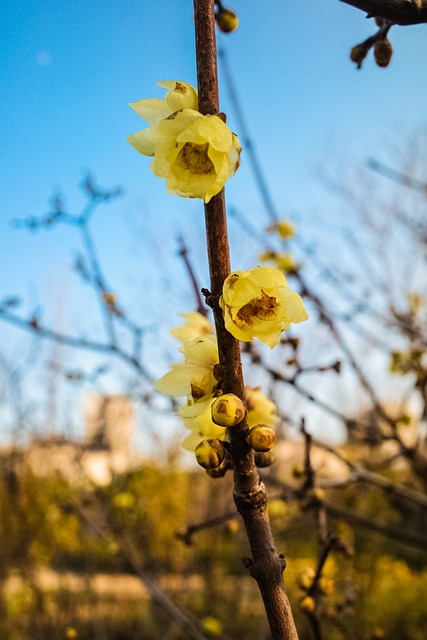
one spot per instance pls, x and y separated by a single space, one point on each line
67 72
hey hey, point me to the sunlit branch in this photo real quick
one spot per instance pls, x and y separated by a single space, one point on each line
266 566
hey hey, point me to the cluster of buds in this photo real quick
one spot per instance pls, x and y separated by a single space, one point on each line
383 51
209 412
313 587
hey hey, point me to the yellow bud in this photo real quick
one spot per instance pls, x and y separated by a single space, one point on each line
305 578
109 298
383 51
227 20
318 494
210 453
124 500
261 438
228 410
233 526
70 633
212 625
326 586
307 604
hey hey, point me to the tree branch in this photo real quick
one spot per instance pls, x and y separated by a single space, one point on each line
266 566
403 12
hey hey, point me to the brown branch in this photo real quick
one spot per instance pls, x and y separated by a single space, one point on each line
266 566
403 12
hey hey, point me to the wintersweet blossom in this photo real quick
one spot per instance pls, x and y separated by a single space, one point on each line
261 410
195 326
198 378
284 228
195 377
258 304
195 153
284 261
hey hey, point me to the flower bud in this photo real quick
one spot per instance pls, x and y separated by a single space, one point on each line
227 20
318 495
307 604
264 459
383 51
210 453
261 438
228 410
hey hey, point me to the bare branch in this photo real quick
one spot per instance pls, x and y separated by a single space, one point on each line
403 12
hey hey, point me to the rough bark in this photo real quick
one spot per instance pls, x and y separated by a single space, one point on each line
266 566
403 12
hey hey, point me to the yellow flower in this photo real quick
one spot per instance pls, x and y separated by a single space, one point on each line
284 228
197 418
195 326
195 377
283 261
257 303
261 410
196 154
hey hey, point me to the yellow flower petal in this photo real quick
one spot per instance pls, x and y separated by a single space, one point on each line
153 110
144 141
292 306
261 410
196 325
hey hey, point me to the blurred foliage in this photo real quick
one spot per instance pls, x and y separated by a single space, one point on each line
70 557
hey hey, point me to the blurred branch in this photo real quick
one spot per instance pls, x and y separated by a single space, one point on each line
80 343
397 534
397 176
183 252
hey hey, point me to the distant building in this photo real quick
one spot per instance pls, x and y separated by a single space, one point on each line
105 450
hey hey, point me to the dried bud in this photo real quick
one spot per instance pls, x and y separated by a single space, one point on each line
264 459
261 438
358 54
228 410
227 20
298 471
307 604
210 453
383 51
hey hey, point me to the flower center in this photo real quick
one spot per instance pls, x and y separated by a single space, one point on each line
263 308
194 158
